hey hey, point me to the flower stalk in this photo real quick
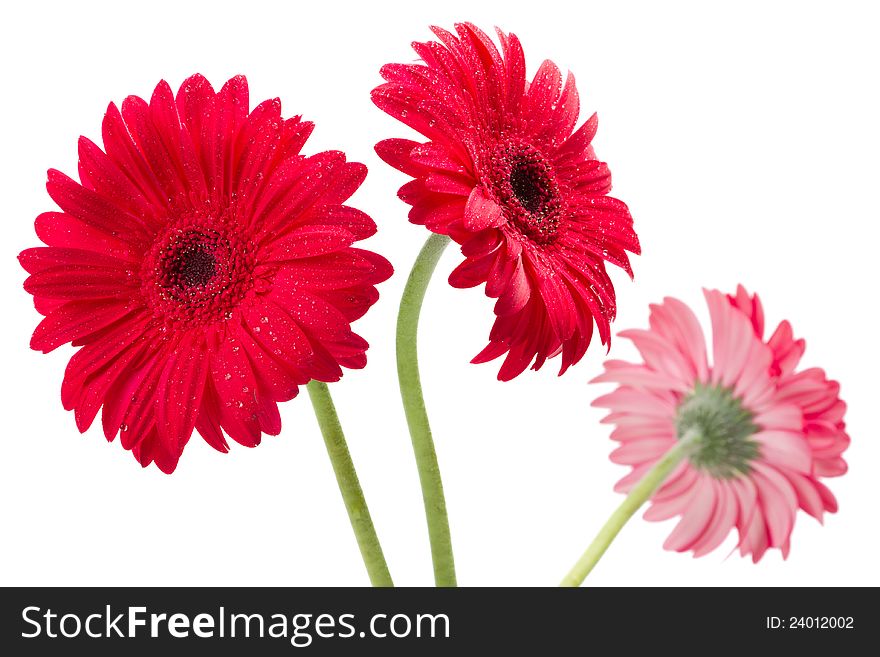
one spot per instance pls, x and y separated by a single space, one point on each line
349 486
416 414
640 494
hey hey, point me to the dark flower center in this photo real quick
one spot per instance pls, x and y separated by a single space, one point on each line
531 185
194 266
724 427
524 183
198 272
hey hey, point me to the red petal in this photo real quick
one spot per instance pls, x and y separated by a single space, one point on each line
42 258
335 270
180 388
396 152
352 302
261 139
74 320
94 210
437 212
436 156
279 379
63 230
208 419
543 92
293 188
517 293
280 336
309 241
95 356
481 212
177 142
198 108
102 174
236 387
160 159
472 272
344 182
124 152
80 282
576 146
358 223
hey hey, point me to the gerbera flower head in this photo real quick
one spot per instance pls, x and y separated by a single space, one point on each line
204 268
766 433
507 176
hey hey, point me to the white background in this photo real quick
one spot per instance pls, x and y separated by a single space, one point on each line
745 141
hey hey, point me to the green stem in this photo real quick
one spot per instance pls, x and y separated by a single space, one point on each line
349 486
637 496
417 416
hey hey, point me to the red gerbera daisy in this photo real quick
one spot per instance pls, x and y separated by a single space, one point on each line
204 268
505 175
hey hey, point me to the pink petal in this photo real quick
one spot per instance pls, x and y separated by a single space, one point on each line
632 400
785 417
638 451
778 502
723 520
660 355
785 449
640 376
809 498
695 520
732 337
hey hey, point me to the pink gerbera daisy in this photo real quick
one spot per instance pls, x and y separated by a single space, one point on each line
765 434
506 175
203 267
